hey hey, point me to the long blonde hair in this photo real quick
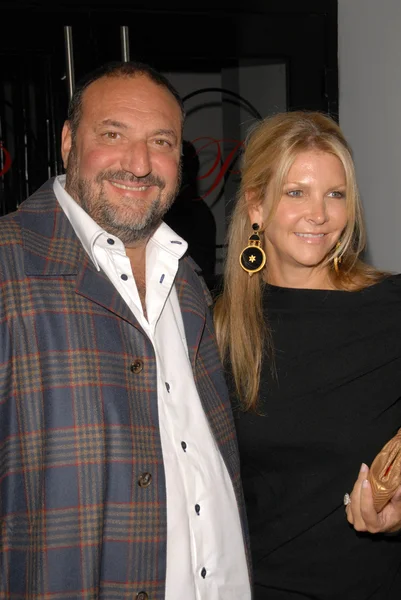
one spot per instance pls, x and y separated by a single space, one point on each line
270 149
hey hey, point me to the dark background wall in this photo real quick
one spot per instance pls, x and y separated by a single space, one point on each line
208 37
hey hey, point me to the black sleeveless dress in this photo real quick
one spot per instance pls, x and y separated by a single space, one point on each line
334 403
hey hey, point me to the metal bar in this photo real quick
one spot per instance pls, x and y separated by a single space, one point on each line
55 166
124 33
69 59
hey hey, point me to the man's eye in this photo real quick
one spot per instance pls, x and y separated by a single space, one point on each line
111 135
163 143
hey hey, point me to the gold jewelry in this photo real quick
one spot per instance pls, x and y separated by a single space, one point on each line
252 259
337 260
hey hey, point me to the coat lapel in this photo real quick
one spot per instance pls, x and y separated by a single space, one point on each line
51 248
209 378
191 295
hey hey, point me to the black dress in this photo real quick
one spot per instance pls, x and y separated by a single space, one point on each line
335 402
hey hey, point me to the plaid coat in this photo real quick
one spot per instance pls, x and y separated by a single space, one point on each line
79 427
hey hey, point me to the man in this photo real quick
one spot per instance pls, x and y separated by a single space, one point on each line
119 467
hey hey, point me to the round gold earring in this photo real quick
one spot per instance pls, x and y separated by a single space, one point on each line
252 259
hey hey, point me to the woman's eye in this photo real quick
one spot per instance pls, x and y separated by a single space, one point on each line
337 194
295 193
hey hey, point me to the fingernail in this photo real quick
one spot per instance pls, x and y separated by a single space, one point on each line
365 483
364 468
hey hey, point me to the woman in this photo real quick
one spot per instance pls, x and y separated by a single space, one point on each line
312 338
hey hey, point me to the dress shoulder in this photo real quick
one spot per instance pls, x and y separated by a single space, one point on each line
395 279
391 285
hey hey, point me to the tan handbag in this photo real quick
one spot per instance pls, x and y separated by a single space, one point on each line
385 472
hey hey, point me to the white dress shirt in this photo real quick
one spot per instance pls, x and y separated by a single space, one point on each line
205 547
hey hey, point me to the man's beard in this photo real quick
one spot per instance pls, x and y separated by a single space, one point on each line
129 230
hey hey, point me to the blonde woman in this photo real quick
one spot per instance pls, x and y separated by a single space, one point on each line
311 337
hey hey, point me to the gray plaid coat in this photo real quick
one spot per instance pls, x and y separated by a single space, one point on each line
79 429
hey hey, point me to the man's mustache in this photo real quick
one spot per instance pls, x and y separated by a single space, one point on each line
123 176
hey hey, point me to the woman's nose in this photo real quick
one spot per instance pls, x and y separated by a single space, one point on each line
317 211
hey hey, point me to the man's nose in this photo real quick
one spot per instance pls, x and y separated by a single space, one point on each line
136 159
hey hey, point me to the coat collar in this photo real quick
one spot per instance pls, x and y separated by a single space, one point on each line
52 249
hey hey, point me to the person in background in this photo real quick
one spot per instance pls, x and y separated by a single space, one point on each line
192 218
120 472
311 338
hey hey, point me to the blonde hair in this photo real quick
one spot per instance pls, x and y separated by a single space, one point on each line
270 149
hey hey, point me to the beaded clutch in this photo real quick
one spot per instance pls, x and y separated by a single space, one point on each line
385 472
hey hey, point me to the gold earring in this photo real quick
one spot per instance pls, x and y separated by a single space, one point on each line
252 259
337 260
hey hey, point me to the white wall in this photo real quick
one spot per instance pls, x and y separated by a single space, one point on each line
369 35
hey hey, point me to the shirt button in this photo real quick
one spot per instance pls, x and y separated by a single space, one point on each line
144 480
203 572
136 366
124 277
184 446
168 387
110 241
197 509
142 596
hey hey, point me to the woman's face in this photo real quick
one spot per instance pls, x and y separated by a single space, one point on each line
307 223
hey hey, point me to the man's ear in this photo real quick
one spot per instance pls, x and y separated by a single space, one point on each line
255 207
66 143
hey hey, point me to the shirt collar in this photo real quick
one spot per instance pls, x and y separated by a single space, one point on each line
88 231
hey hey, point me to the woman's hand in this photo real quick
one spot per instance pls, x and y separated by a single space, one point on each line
361 513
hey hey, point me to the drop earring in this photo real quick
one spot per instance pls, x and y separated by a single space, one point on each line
337 260
252 259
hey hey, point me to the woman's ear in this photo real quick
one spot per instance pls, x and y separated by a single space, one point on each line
255 207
